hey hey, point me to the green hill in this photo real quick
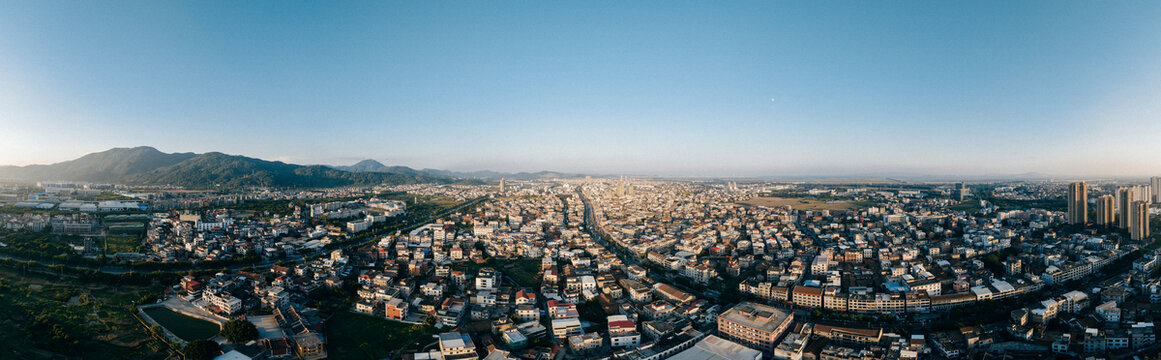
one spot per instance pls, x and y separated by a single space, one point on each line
107 166
148 166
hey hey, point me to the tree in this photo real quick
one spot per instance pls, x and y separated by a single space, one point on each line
239 331
201 350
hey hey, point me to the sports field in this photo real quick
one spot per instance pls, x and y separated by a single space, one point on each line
185 327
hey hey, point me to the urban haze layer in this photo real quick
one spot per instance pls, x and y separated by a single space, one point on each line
228 257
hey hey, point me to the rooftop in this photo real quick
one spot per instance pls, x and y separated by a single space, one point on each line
455 340
807 290
267 327
716 348
756 315
822 329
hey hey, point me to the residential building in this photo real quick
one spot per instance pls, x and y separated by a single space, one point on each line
623 332
1139 220
1062 343
585 343
487 279
457 346
669 292
1078 203
395 308
562 328
223 301
755 325
1105 211
1109 312
1126 195
807 296
310 345
1155 187
849 336
527 312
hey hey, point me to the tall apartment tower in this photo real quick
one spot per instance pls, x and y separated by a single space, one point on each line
1139 220
1106 211
1124 198
1155 185
1078 203
502 185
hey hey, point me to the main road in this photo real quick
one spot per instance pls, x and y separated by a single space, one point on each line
594 229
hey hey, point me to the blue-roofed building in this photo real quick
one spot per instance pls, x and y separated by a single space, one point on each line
896 287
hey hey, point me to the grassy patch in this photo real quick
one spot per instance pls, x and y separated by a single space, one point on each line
801 203
109 196
526 272
356 336
966 206
96 323
469 267
125 227
1046 204
122 243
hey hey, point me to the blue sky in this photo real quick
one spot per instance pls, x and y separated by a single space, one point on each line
666 88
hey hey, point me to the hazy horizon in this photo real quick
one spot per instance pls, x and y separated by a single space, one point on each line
869 175
748 89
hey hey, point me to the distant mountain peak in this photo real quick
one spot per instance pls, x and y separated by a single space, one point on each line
145 165
373 166
143 148
370 162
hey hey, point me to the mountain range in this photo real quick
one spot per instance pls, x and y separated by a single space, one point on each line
147 166
372 166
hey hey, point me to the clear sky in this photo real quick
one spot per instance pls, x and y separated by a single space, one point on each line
719 88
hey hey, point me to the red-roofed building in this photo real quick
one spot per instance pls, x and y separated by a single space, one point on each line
192 287
807 296
623 332
523 297
614 326
562 310
672 293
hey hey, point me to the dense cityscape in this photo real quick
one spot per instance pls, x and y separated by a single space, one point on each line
561 180
613 268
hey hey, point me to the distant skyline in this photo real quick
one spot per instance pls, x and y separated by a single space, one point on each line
736 89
